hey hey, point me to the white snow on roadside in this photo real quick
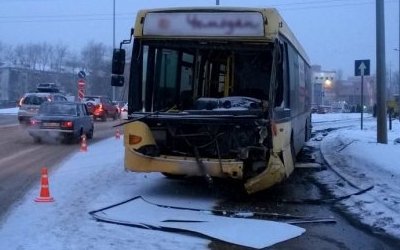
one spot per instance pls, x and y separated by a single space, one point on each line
9 111
356 155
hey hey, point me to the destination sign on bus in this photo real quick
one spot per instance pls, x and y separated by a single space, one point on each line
204 24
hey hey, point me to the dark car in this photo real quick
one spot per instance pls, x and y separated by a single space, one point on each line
323 109
101 107
119 105
66 121
30 103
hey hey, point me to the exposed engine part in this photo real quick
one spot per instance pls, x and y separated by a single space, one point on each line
202 167
212 141
231 102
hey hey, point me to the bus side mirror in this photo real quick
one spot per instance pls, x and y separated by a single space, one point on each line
118 62
117 80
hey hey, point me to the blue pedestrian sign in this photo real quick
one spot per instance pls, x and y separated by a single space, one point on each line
361 68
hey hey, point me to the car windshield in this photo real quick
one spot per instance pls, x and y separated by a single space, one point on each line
34 100
58 109
91 99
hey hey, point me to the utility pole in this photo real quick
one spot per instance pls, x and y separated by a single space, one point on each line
113 87
380 73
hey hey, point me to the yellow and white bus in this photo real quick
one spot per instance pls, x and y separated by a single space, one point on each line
215 92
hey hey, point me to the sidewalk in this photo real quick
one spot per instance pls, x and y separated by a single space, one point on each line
361 162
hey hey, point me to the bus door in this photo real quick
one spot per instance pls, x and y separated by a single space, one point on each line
217 68
186 82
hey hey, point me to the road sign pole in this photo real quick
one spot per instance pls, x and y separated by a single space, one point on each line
81 89
362 98
362 69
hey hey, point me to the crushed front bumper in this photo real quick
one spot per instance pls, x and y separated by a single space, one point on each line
137 162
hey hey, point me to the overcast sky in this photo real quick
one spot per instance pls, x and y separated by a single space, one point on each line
333 32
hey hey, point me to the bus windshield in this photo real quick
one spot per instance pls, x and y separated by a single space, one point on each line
180 75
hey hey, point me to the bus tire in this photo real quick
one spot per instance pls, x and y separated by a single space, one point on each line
104 117
307 129
292 149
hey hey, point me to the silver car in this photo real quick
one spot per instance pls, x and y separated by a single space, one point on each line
30 103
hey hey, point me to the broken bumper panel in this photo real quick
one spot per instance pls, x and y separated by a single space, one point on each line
273 174
137 162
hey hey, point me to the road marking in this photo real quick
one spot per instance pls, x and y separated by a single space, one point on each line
11 157
9 125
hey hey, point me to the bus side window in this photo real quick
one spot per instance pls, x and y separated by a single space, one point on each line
286 76
280 82
293 79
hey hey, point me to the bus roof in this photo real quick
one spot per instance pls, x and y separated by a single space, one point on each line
238 23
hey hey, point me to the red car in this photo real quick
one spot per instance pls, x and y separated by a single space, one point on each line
101 107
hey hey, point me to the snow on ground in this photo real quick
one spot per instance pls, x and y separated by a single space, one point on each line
95 179
85 182
363 163
9 111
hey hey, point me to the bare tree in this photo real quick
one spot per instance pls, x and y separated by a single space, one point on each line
20 55
93 56
97 63
46 53
59 54
9 55
2 46
72 61
33 52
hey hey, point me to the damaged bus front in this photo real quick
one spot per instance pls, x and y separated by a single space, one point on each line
213 104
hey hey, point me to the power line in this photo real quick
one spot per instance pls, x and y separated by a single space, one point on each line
310 2
129 16
64 20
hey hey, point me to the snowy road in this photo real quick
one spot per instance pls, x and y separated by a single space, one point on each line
21 159
80 184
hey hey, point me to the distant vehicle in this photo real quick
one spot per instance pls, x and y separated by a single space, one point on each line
30 103
340 107
323 109
124 112
101 107
48 87
119 105
66 121
314 108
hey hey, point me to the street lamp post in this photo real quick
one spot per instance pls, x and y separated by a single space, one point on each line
380 73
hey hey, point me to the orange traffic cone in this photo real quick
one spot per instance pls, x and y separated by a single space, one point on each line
117 134
83 144
44 190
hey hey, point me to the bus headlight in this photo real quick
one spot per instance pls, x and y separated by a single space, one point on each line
134 139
